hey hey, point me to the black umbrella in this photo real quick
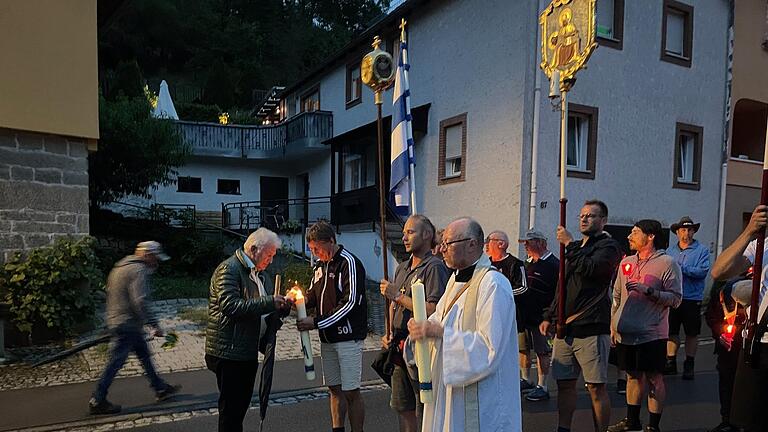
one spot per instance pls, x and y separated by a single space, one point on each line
267 347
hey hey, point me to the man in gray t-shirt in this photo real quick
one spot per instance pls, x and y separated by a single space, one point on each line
418 237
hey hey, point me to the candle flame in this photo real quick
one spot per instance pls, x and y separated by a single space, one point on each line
626 269
295 293
729 329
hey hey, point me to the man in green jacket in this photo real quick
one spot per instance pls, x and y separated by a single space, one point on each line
240 297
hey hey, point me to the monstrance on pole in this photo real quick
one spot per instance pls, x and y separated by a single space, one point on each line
377 72
567 41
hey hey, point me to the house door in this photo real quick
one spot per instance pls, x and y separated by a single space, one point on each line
274 201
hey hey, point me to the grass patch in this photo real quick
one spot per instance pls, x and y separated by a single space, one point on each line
199 316
177 287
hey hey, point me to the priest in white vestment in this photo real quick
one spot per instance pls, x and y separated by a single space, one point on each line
475 377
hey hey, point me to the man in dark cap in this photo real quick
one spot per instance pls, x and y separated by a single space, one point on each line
693 258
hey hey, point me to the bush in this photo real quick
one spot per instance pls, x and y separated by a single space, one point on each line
55 286
240 117
298 270
198 112
166 287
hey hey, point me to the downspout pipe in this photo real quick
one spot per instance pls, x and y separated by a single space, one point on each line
535 133
726 131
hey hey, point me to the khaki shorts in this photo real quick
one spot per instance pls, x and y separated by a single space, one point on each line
342 364
588 356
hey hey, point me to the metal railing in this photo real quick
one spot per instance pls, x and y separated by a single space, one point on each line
289 215
174 215
238 140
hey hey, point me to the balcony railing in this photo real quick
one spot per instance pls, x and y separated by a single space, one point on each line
305 130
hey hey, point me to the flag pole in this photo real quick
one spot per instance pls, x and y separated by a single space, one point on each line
376 71
382 203
409 133
563 204
752 355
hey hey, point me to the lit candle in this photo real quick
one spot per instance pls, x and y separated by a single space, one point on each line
422 349
626 269
306 346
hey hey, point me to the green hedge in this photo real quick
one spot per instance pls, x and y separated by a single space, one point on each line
54 286
197 112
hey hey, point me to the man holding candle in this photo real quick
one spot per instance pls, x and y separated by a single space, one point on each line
337 293
648 285
418 238
751 381
474 344
239 299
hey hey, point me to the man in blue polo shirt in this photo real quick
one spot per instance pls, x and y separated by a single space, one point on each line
693 258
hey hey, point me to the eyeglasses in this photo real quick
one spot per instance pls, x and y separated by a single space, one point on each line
445 244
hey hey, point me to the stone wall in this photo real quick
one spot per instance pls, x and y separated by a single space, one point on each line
43 189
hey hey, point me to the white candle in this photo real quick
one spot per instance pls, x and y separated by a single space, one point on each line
422 349
306 346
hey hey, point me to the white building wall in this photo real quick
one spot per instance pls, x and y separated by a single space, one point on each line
464 58
640 98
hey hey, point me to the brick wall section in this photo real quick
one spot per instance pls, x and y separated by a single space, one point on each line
43 189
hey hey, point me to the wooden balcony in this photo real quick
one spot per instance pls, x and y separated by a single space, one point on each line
299 136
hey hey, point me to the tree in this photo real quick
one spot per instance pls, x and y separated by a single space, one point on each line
135 152
260 43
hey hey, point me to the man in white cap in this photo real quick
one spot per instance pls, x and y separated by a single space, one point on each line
542 273
128 288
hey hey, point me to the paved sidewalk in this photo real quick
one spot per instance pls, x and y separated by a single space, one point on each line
66 406
181 316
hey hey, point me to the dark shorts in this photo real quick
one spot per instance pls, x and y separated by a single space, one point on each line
405 391
532 339
646 357
688 314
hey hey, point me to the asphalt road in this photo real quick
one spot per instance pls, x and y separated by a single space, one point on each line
692 406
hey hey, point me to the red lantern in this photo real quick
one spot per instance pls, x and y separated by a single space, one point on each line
626 268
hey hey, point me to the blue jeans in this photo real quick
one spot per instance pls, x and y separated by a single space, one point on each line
123 343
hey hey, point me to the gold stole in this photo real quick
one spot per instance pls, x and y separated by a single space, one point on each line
469 323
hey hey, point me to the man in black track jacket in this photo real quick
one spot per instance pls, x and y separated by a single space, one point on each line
337 294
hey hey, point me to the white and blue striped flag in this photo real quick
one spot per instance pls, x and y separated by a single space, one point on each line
402 161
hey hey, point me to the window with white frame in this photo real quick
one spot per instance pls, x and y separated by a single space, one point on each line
610 23
687 143
354 85
605 12
453 150
578 143
677 33
353 171
687 156
310 101
581 141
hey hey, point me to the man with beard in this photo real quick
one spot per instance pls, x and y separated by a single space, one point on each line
693 258
418 238
589 269
648 285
